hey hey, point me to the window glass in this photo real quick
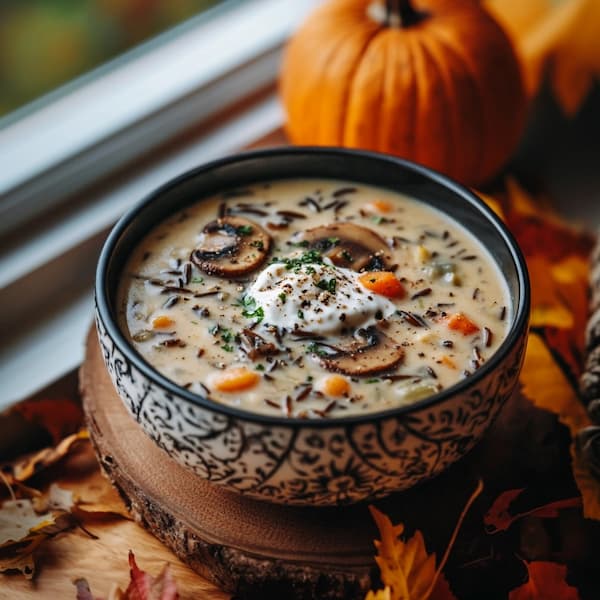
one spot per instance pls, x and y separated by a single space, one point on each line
46 43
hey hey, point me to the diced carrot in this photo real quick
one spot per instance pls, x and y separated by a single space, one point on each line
378 207
236 379
336 385
162 322
383 283
459 322
448 362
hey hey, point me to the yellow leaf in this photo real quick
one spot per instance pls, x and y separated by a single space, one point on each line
545 384
407 571
405 566
384 594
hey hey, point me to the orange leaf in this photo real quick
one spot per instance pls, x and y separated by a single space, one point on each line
546 582
499 518
142 586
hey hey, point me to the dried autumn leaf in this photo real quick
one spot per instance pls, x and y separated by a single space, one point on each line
142 586
32 465
59 417
407 570
18 520
547 385
405 566
499 518
22 531
547 581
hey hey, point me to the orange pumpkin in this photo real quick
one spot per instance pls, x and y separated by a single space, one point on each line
435 81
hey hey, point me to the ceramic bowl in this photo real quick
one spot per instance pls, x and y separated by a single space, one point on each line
302 461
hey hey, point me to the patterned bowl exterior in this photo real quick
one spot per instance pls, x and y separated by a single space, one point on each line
307 465
302 461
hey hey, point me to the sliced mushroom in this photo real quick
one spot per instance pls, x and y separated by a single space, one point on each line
255 346
376 354
231 246
349 245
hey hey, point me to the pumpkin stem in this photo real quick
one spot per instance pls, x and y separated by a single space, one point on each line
400 13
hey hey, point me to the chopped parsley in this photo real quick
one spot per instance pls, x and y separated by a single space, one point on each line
314 348
347 256
244 230
258 244
260 367
328 285
296 263
282 297
373 380
227 336
378 220
251 309
197 279
300 314
333 241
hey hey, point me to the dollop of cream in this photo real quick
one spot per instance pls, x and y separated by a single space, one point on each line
305 298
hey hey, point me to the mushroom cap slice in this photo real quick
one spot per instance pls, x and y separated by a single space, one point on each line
348 245
377 354
231 246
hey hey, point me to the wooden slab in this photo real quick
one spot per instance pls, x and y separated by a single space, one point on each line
259 550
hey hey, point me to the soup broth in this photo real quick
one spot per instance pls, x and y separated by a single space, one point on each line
313 298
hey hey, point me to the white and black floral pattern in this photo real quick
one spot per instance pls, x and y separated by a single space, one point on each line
307 464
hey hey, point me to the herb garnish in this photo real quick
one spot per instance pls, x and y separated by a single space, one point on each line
244 230
258 244
282 297
227 336
314 348
251 309
327 285
295 264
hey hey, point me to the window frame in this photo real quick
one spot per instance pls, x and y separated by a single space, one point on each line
55 215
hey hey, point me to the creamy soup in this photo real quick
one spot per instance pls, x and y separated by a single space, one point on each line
313 298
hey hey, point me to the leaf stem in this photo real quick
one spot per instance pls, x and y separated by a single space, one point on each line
7 483
463 514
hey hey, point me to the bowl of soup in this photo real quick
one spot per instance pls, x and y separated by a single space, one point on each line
312 326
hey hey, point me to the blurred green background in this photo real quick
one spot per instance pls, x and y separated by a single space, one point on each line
45 43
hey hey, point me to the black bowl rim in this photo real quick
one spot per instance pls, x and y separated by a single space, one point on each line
516 331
